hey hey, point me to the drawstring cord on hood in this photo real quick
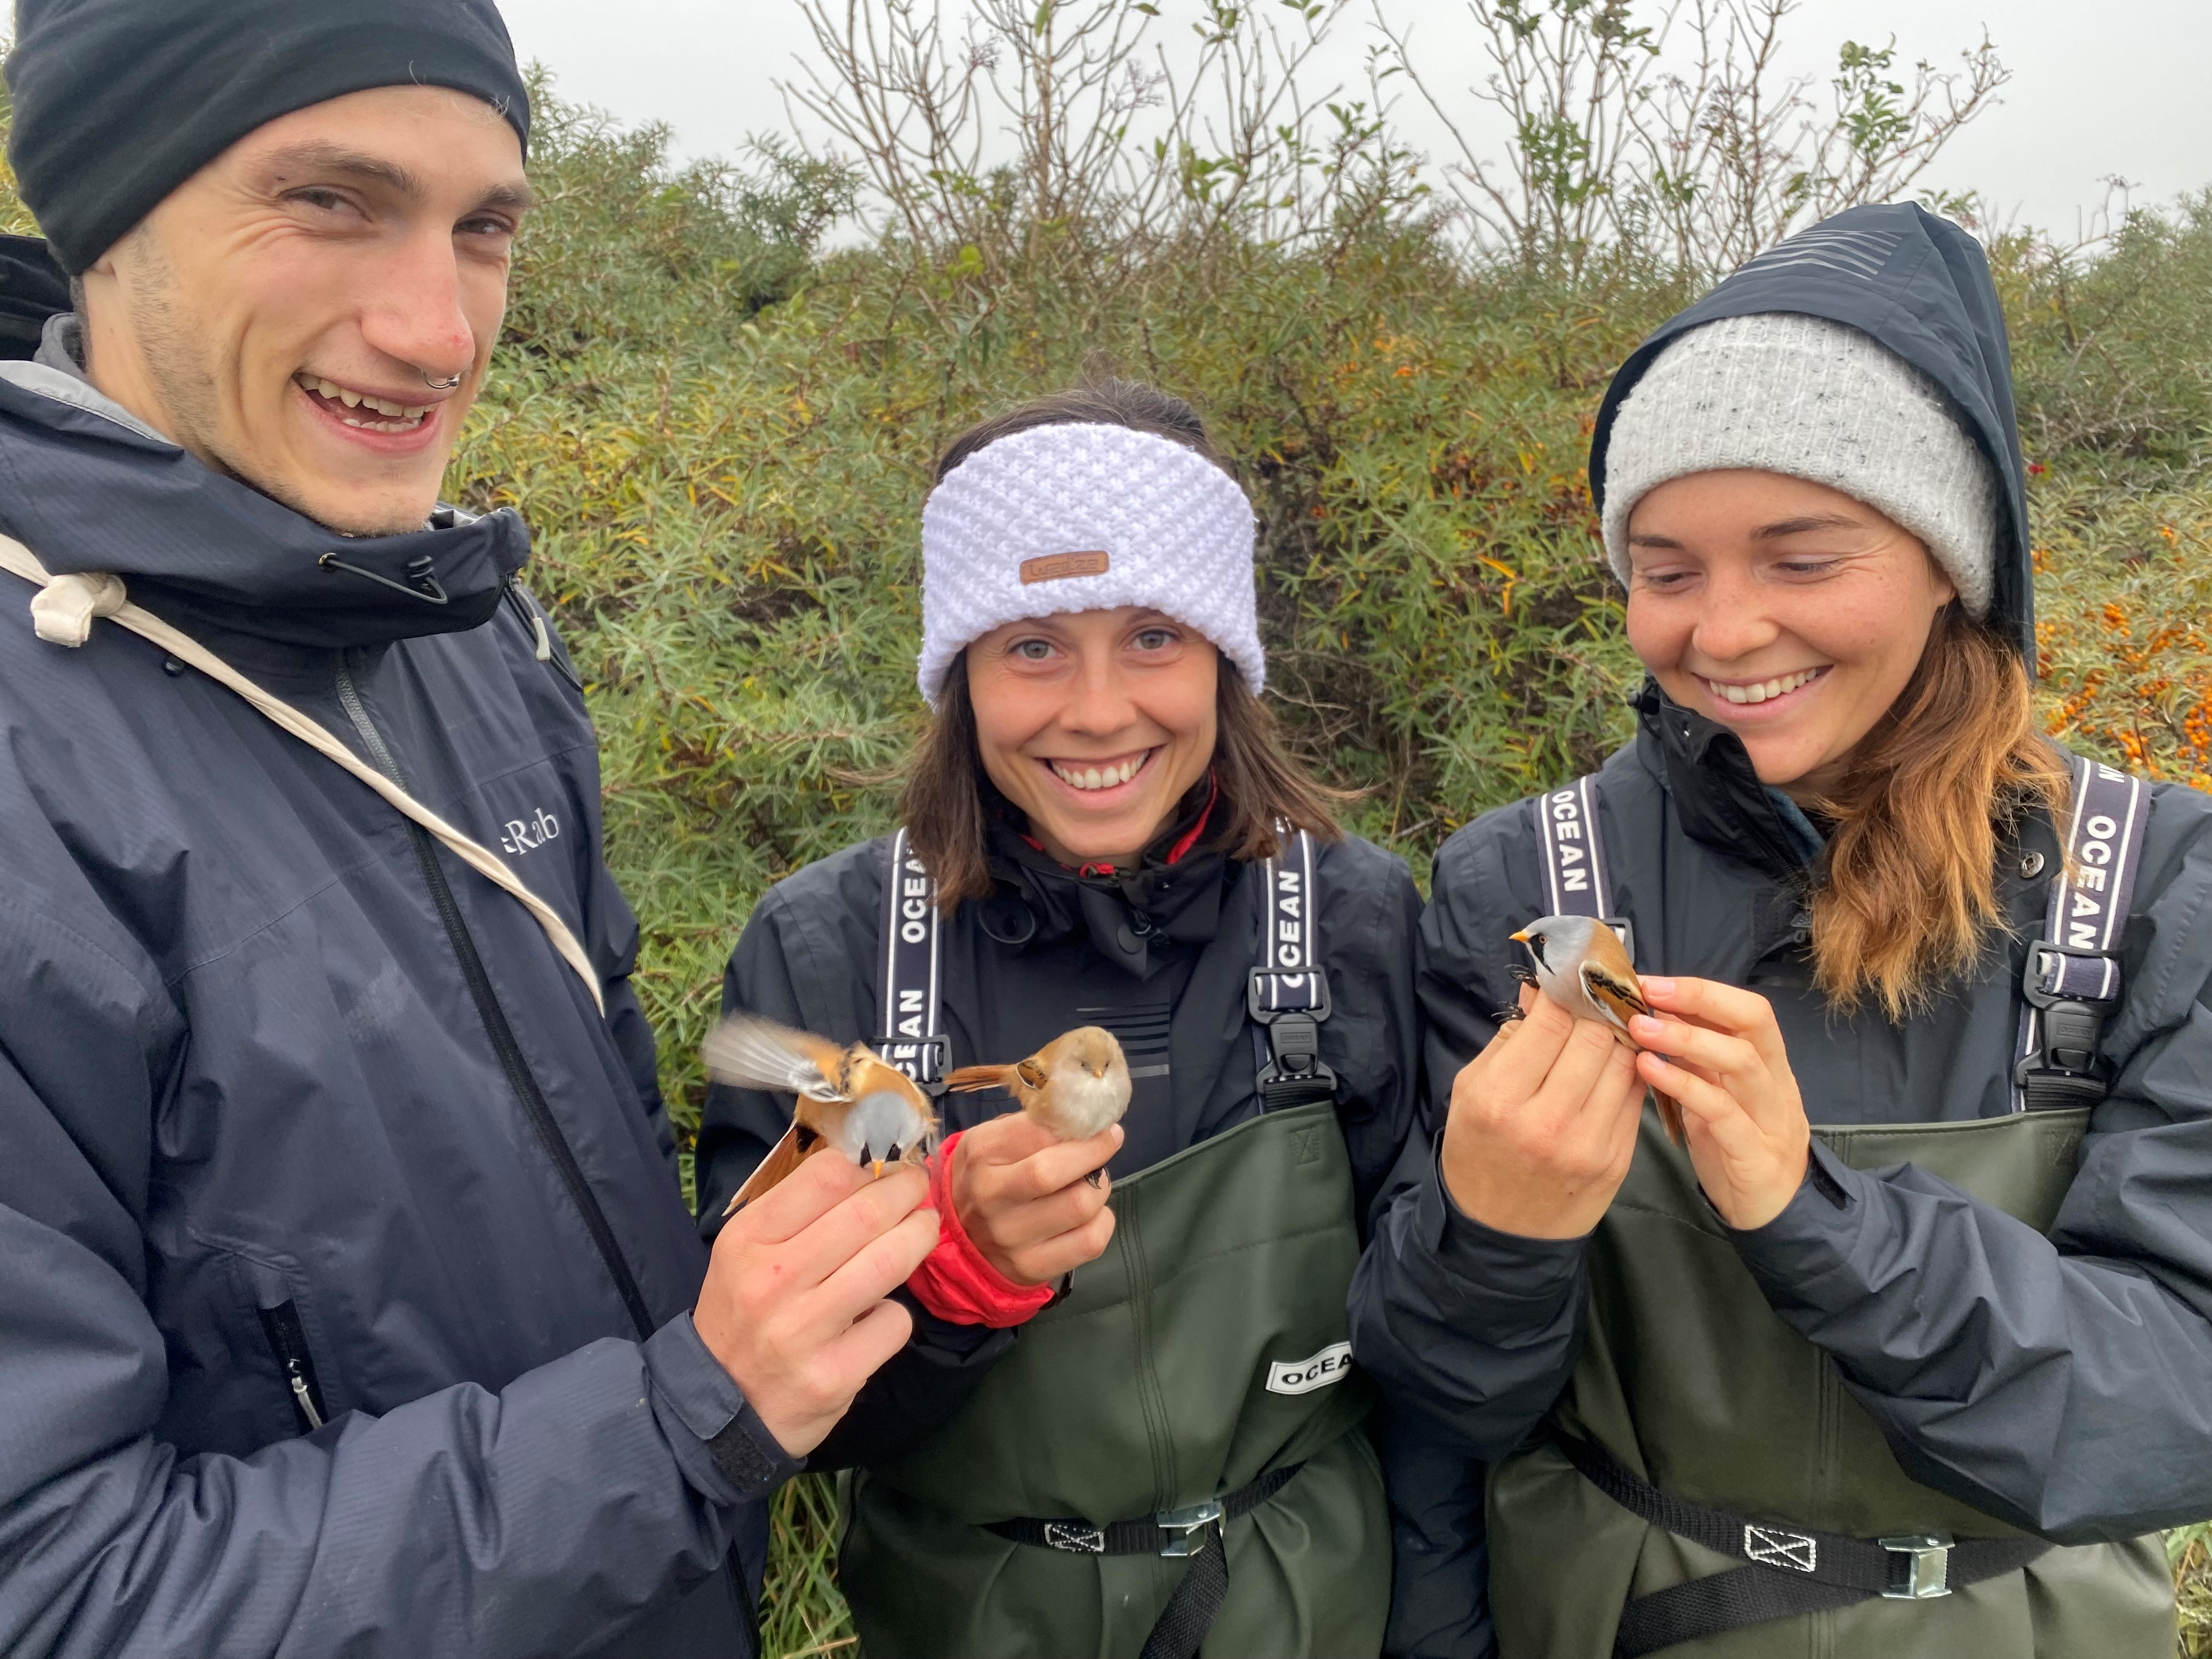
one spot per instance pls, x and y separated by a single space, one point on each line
63 612
422 581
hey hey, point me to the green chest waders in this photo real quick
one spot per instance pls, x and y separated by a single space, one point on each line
1189 1408
1710 1488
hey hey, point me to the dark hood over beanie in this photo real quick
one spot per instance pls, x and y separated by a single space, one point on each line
117 102
1919 286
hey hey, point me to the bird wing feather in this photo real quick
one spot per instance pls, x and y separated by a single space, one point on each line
1611 996
787 1155
758 1053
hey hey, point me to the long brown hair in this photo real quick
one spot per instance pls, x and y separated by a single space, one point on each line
945 800
1909 898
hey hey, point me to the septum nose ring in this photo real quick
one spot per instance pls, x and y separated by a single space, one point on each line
441 385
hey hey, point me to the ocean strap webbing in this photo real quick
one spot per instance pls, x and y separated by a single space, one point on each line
913 1038
63 613
1575 883
2072 982
1287 994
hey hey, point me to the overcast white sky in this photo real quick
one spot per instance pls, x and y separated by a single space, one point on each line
2111 87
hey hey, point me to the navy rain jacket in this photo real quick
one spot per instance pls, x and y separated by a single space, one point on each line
2063 1382
302 1120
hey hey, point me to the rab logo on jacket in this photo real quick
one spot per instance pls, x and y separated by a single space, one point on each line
1332 1364
524 835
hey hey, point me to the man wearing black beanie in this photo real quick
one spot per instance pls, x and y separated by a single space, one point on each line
351 1305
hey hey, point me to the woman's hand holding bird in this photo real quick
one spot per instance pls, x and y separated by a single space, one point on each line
1023 1195
1721 1056
1542 1124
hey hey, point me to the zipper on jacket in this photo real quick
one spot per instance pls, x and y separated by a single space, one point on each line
288 1341
497 1028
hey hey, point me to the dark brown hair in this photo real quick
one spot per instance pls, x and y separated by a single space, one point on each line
1909 900
946 798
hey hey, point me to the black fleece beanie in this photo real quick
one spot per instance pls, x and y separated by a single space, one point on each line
117 102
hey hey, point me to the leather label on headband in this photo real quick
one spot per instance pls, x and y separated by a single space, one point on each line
1059 566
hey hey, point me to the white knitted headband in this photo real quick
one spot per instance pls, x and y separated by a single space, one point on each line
1815 399
1083 517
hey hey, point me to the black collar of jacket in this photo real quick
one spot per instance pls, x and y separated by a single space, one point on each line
1706 771
1125 915
216 557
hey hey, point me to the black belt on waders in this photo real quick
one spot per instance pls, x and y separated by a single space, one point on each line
1194 1531
1789 1572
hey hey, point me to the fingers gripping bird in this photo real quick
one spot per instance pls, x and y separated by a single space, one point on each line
1075 1085
848 1099
1581 965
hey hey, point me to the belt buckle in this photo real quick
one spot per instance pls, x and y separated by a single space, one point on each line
1924 1566
1190 1524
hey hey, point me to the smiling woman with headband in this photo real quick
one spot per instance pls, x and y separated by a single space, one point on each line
1904 1351
1100 827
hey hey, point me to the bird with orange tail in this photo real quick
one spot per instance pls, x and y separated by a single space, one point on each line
1581 965
850 1100
1075 1085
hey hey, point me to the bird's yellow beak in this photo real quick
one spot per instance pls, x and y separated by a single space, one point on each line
1521 938
879 1168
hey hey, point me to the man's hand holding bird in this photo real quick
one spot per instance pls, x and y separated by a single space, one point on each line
795 1304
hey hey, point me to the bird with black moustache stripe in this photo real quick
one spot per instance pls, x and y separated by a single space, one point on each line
1581 965
850 1101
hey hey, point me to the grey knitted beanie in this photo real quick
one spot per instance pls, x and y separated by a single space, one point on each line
1810 399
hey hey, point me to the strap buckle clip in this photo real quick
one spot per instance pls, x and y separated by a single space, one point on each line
2055 975
1294 1068
921 1059
1190 1525
2068 988
1919 1566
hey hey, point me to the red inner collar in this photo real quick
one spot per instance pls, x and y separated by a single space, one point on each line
1184 842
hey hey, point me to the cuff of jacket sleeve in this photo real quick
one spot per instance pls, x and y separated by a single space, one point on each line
1802 1257
955 1281
725 1451
1504 1278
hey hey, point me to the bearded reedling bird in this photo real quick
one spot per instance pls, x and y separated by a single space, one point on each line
848 1099
1075 1085
1581 965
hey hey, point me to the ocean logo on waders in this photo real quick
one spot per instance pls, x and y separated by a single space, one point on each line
1332 1364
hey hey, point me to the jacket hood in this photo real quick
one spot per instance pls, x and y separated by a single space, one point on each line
88 489
1920 286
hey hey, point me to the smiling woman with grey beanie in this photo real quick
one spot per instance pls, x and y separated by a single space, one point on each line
1100 827
1901 1350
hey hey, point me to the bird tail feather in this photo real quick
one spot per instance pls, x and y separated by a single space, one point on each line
969 1078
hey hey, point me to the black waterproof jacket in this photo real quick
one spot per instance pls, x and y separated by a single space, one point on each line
301 1119
2058 1381
1160 956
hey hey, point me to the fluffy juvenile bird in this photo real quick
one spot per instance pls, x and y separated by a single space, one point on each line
1075 1085
848 1099
1581 965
